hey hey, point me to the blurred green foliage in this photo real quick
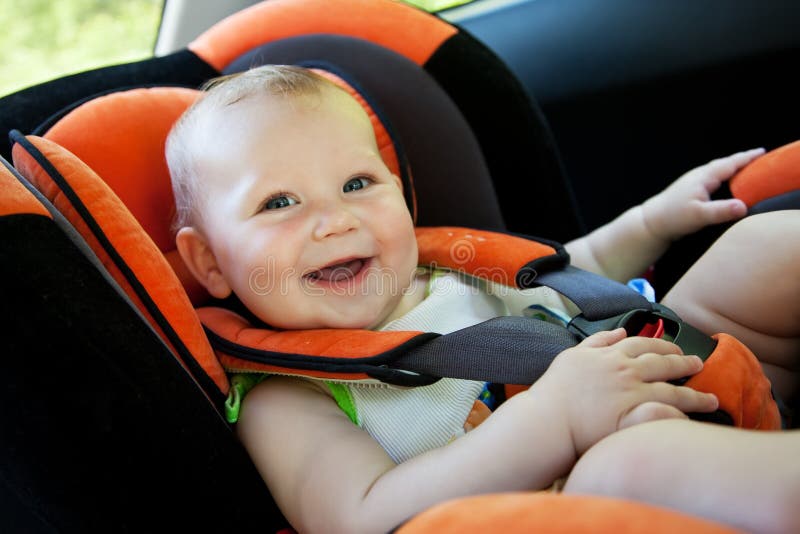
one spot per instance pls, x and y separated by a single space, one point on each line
44 39
436 5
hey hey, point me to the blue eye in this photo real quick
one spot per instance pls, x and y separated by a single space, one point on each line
278 202
354 184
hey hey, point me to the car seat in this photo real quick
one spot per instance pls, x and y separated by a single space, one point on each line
138 381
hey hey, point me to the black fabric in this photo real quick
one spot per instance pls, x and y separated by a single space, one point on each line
450 177
26 109
17 515
535 196
597 297
102 429
627 142
508 350
786 201
163 322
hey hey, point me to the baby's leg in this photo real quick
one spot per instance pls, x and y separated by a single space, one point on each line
749 479
748 285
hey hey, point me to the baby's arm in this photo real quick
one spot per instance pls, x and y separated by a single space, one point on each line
328 475
625 247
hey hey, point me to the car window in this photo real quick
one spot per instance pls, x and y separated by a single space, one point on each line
44 39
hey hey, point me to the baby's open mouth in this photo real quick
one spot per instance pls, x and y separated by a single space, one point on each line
339 271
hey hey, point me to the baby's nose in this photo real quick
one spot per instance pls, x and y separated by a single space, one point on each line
334 221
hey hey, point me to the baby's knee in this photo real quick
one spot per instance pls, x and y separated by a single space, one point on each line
781 225
618 464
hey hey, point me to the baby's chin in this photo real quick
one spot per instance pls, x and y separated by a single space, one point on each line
340 322
368 322
368 314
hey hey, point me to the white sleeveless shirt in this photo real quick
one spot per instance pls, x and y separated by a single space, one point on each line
409 421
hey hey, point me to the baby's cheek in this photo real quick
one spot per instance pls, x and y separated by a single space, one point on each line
261 281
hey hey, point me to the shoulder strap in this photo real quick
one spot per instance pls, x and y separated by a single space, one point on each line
505 350
509 350
596 296
518 350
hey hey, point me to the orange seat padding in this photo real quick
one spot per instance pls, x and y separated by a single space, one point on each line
733 374
773 174
121 137
125 147
472 251
523 513
337 343
15 199
410 32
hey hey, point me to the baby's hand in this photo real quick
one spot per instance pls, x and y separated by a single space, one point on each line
686 206
609 382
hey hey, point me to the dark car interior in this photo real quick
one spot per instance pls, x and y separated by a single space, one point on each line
637 93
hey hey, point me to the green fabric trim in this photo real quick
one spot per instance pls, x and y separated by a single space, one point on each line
241 384
433 274
341 394
437 5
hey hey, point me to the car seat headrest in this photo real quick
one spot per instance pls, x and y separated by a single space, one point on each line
121 137
410 32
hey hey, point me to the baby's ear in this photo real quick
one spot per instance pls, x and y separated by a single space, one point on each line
201 262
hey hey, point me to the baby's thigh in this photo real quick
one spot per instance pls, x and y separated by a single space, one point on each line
748 285
746 478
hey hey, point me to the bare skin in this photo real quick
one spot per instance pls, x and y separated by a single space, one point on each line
745 478
755 295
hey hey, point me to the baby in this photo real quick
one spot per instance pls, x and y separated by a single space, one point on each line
276 171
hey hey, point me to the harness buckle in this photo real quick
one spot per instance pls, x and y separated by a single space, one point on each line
659 322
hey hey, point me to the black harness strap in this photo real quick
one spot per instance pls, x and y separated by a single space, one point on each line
507 350
518 350
597 297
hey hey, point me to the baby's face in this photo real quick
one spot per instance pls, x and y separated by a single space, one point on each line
308 226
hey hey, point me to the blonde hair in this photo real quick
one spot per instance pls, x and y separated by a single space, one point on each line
283 81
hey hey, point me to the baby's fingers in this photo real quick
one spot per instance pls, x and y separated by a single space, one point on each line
604 338
724 168
683 398
635 346
719 211
662 367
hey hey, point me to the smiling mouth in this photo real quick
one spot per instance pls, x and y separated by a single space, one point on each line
339 271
